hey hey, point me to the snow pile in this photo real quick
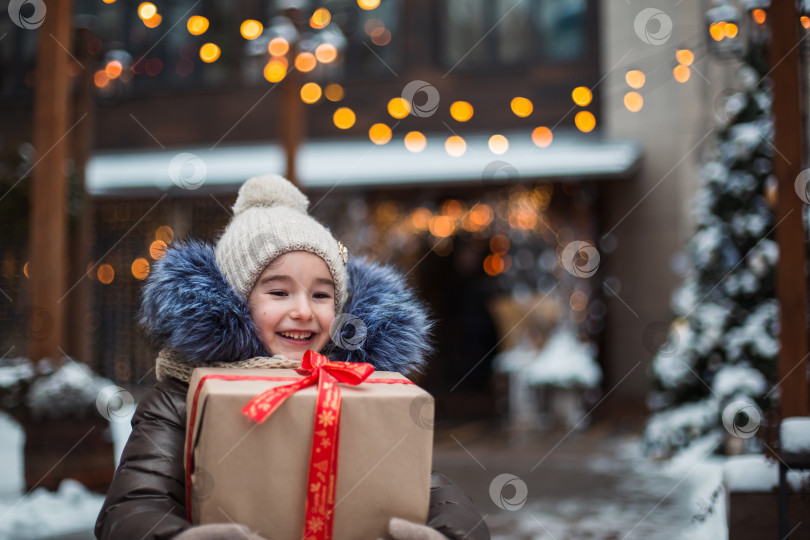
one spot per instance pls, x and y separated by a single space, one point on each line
42 513
564 361
739 380
675 427
70 391
15 371
755 473
12 440
794 435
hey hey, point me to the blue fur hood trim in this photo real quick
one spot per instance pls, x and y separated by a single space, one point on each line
188 307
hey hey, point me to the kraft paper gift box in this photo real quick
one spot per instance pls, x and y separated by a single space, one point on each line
256 474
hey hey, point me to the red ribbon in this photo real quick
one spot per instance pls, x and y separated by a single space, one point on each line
322 482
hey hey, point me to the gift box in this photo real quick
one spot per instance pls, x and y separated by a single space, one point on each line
273 475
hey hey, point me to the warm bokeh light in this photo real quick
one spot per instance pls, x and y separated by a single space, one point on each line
585 121
461 111
275 71
197 25
209 53
493 265
499 244
541 136
455 146
100 79
522 107
320 18
498 144
305 62
251 29
105 274
759 16
399 108
730 30
157 249
109 1
153 21
344 118
442 226
578 301
165 234
278 46
147 10
113 69
805 21
368 4
481 215
420 218
635 78
326 53
153 67
140 268
717 31
685 57
311 92
633 101
415 141
371 25
333 92
453 208
25 270
582 96
379 134
681 73
381 36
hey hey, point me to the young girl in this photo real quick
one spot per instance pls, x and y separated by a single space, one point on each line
274 286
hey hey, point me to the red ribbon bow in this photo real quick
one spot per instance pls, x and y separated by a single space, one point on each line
321 486
317 369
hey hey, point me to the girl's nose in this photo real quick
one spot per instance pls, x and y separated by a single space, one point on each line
301 309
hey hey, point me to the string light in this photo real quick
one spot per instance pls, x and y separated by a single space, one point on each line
541 136
633 101
379 134
582 96
461 111
311 92
415 142
585 121
343 118
209 53
197 25
455 146
251 29
635 78
522 107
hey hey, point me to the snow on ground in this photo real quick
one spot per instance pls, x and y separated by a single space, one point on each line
794 434
70 511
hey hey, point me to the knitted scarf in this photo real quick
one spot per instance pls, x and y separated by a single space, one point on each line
170 365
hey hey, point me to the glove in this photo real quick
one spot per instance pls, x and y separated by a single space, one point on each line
218 531
402 529
452 513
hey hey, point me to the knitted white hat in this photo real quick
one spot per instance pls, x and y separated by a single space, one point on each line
270 219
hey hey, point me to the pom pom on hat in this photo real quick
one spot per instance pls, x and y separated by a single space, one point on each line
270 220
267 191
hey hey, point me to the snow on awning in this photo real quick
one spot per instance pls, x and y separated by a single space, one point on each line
359 163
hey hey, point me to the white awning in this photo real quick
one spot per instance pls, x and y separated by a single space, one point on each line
359 163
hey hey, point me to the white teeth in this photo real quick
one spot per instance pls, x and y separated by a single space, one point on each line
303 336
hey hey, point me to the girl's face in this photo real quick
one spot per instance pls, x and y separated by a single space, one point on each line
293 304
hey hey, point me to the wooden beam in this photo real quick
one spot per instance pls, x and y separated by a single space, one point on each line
791 281
48 237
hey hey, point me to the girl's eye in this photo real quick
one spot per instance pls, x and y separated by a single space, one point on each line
278 293
322 295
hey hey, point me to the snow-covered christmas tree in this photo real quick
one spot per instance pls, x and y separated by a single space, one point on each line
722 346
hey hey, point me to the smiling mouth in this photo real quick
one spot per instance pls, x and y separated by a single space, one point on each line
297 336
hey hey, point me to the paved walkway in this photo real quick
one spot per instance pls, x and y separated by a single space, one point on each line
581 485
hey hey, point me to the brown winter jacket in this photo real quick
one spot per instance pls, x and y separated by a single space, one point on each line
147 497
